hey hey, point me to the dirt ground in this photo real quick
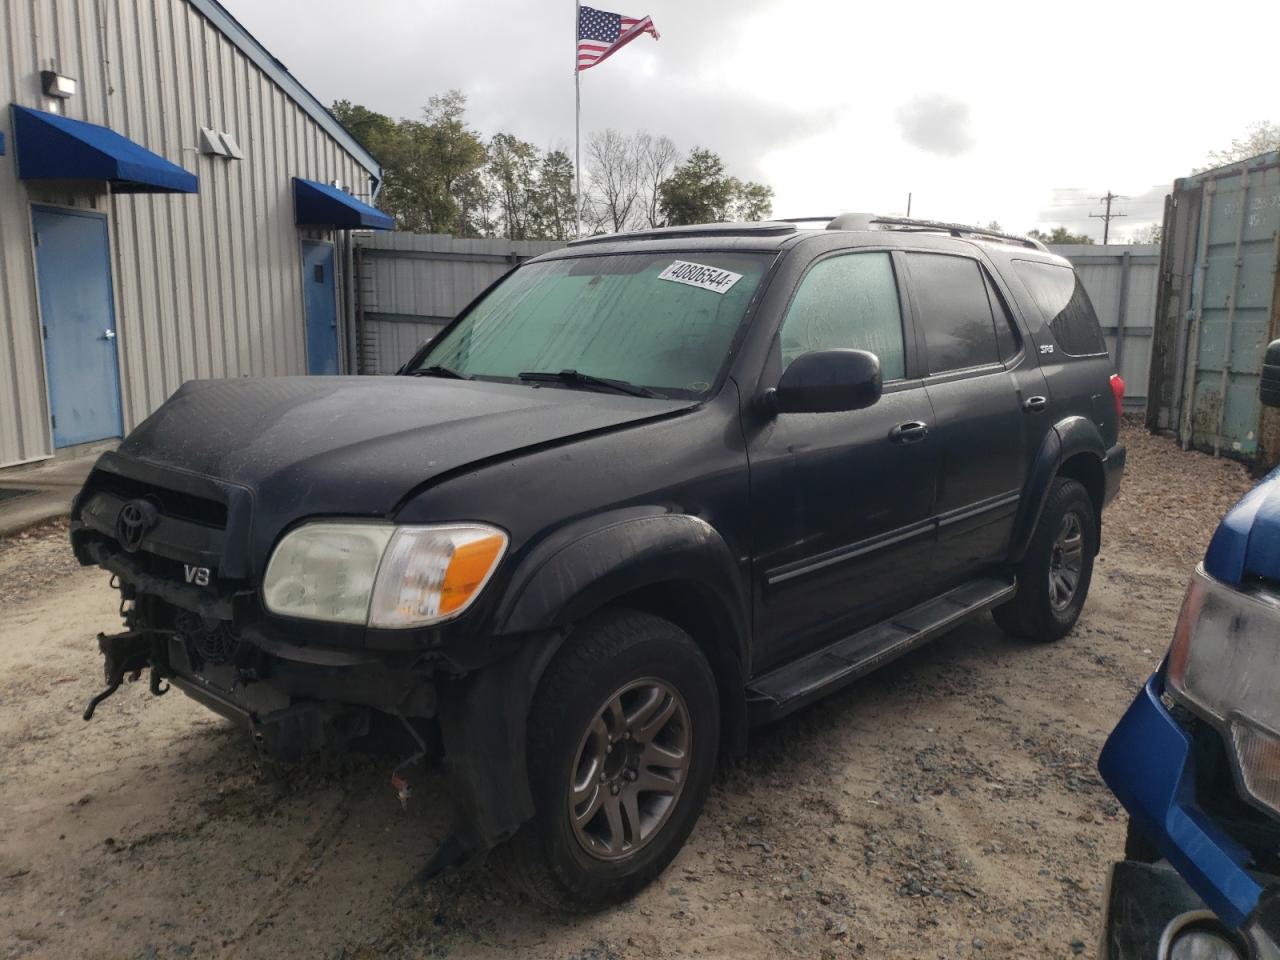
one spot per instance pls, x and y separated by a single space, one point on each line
945 807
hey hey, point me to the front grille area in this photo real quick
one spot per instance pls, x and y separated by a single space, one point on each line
170 503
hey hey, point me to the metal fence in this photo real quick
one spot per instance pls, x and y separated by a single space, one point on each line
409 285
1122 283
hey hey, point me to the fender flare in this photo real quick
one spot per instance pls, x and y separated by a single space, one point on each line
1068 437
584 567
589 564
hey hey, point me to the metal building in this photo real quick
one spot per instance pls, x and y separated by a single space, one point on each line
1217 310
173 205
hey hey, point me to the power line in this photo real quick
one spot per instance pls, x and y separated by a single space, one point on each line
1107 217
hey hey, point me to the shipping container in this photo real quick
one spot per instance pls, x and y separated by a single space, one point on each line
1216 310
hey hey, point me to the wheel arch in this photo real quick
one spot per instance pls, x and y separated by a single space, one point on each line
1073 448
674 566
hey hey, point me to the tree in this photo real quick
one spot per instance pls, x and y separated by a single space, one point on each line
512 169
656 158
1261 137
699 191
1059 235
1151 233
556 216
430 166
614 170
752 201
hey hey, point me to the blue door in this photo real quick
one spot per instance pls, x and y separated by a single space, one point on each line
320 297
73 271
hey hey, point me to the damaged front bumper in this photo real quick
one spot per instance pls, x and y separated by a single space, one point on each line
1149 764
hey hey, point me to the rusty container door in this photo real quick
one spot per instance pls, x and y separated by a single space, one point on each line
1232 312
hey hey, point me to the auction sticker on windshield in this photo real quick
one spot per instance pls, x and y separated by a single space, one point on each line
699 275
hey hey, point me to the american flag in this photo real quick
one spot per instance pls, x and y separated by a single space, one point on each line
601 34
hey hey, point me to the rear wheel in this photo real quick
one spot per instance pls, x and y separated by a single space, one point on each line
623 736
1054 576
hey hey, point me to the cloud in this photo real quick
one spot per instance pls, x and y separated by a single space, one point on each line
937 124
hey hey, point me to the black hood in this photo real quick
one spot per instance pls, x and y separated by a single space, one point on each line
308 446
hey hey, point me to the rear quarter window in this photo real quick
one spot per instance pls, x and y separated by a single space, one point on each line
1065 304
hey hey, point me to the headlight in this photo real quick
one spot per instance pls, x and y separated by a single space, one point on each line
1225 665
381 574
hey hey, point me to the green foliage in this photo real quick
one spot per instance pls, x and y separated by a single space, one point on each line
439 176
700 191
1059 235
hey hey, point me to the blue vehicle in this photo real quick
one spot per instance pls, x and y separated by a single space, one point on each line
1196 758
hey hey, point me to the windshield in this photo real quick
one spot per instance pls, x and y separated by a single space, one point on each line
661 321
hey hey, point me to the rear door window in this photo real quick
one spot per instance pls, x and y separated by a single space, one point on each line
849 301
953 312
1009 341
1062 299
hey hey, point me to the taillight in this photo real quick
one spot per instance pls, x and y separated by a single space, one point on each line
1117 391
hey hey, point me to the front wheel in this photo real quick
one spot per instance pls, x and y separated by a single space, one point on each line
1054 576
623 736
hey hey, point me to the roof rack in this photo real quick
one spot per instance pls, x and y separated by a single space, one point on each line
871 221
763 228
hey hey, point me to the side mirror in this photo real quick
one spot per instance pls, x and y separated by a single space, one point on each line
1269 389
829 381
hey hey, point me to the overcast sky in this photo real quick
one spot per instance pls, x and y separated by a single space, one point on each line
1018 112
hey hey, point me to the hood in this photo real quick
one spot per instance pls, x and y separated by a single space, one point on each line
1247 541
358 445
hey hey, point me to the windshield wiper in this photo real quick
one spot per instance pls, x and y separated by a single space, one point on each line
573 378
435 370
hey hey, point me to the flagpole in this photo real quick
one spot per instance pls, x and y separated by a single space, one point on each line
577 120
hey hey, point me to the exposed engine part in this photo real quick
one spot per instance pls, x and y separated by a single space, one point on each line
127 655
398 782
213 641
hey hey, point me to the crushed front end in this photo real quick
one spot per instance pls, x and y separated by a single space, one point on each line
177 547
1196 763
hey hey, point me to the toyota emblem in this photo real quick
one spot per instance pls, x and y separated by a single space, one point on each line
136 519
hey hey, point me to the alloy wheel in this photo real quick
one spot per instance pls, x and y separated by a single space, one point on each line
630 769
1066 561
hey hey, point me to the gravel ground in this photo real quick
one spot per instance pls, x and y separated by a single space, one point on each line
946 807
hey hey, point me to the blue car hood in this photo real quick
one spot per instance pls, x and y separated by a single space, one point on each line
1247 541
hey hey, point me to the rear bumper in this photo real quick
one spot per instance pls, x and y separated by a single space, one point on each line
1147 762
1113 471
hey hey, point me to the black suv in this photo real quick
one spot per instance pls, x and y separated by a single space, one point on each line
644 493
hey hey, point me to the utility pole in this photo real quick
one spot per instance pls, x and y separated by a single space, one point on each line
1107 217
908 206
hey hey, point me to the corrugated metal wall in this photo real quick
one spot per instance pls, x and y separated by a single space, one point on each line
1122 283
207 284
1218 309
411 285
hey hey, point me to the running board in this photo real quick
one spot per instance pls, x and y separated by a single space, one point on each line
800 682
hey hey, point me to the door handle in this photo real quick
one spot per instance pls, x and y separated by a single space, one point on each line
913 431
108 334
1034 404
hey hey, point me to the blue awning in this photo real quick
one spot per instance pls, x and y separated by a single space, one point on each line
52 147
320 205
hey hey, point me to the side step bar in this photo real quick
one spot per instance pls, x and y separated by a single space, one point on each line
800 682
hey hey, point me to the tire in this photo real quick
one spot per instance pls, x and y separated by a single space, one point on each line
1041 610
648 667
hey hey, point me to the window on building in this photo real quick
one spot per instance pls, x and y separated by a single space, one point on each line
849 301
1062 299
954 312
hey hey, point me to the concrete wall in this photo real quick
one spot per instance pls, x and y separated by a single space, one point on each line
206 284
